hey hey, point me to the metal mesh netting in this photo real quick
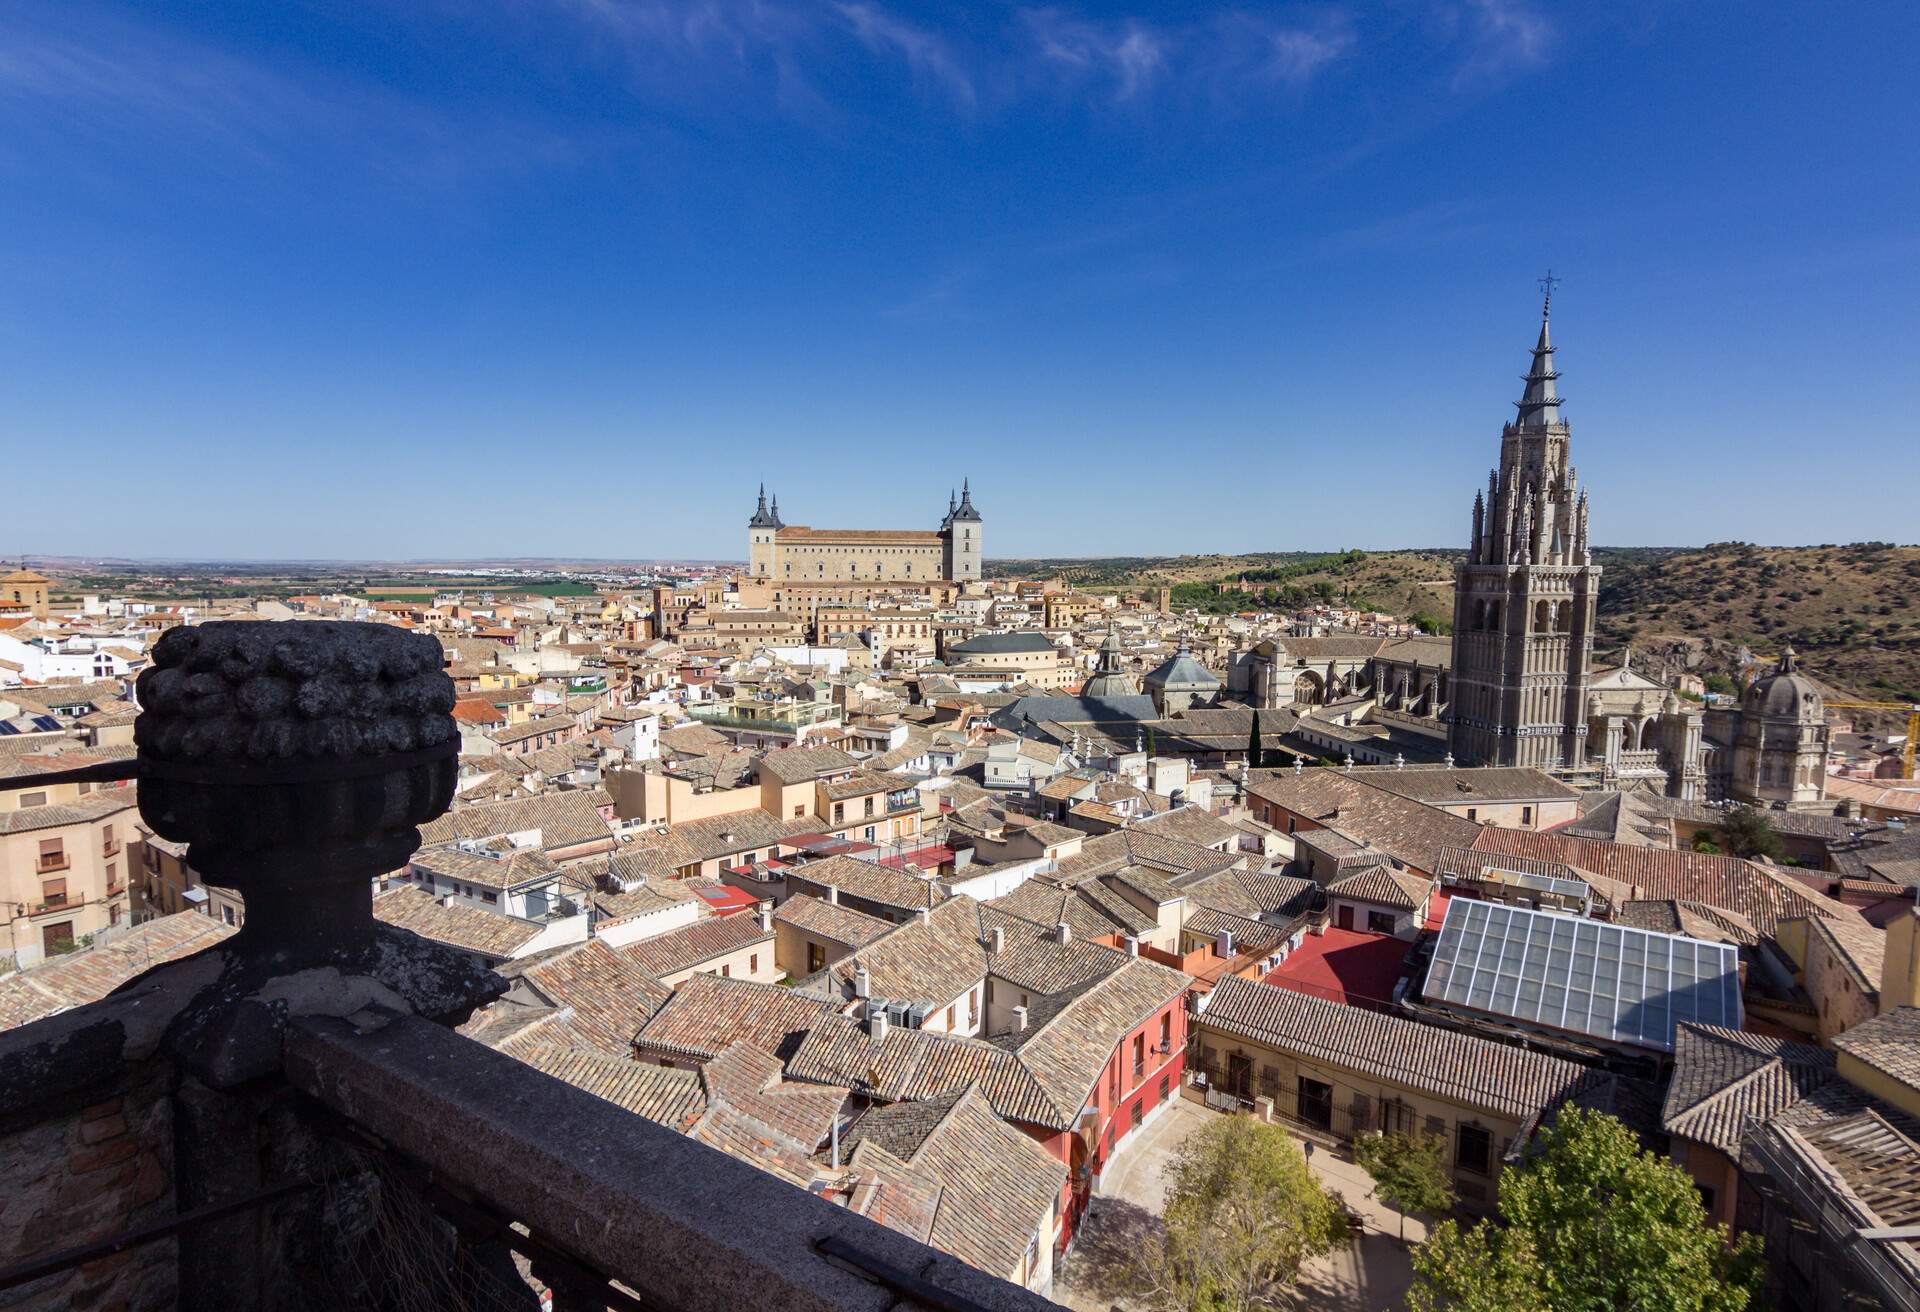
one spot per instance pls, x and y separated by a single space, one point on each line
378 1245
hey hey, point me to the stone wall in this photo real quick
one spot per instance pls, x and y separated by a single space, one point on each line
87 1174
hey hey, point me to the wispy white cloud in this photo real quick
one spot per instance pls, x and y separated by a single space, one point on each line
1505 39
128 84
1225 58
1129 56
926 54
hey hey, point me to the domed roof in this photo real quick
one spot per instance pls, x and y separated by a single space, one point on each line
1182 672
1110 677
1786 693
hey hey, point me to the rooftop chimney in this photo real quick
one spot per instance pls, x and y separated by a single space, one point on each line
1223 944
998 938
1019 1020
862 982
1063 932
877 1023
1133 945
833 895
766 916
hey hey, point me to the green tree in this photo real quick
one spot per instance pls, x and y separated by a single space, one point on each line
1409 1171
1592 1223
1746 832
1254 757
1243 1214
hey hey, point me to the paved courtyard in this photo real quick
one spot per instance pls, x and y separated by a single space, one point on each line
1373 1274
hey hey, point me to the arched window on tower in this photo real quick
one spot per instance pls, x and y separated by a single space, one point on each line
1542 622
1493 616
1566 617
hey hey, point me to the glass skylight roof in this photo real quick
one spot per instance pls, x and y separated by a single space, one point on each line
1611 982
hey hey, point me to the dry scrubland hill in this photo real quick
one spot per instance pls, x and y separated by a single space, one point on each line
1852 611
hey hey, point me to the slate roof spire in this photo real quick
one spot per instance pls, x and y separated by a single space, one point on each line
1540 403
762 518
966 512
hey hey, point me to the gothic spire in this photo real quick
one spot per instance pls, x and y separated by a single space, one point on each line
1540 403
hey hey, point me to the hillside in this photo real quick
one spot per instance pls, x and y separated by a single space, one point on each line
1853 612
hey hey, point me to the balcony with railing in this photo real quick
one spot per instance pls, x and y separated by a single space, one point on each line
391 1161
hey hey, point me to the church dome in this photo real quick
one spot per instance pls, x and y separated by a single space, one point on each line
1110 677
1182 673
1785 694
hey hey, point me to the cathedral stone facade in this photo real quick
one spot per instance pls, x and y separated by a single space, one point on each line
782 553
1524 597
1522 687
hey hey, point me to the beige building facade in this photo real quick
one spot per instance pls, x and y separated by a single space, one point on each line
795 554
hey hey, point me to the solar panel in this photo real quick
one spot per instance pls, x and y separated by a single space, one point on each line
1611 982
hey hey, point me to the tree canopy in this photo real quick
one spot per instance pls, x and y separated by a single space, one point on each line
1243 1214
1409 1171
1593 1223
1746 832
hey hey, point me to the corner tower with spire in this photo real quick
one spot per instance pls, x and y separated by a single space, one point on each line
1524 597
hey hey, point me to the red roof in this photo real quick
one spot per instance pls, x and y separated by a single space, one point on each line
726 901
925 858
1344 965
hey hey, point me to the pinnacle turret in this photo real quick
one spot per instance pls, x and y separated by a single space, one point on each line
762 517
965 511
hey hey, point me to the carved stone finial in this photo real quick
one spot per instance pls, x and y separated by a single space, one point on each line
296 759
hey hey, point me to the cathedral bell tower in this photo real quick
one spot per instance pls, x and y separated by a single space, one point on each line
1524 597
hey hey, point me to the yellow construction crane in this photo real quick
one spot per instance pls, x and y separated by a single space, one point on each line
1913 726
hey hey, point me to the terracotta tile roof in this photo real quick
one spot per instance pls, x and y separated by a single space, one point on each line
1253 894
901 1127
793 765
824 919
609 997
877 884
1694 919
1248 935
674 1098
483 932
1723 1077
723 835
1190 824
1087 908
1888 1043
506 869
1382 885
564 819
694 945
749 1080
1109 852
1439 785
1068 1052
998 1187
1760 894
1408 830
89 974
708 1014
102 804
910 1065
1472 1071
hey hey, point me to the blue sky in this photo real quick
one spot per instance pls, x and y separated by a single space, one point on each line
569 277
